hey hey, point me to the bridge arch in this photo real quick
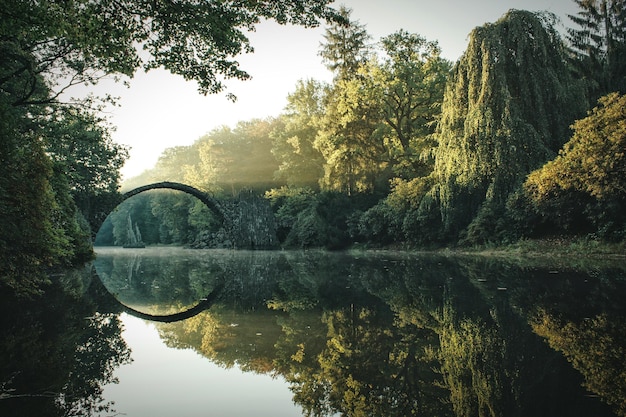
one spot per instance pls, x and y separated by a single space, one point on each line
247 220
211 203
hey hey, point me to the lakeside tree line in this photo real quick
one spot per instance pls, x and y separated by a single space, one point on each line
522 137
59 167
401 147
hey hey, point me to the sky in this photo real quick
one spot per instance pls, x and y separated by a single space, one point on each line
160 110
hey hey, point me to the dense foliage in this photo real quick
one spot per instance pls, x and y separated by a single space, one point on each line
60 168
402 148
583 190
163 218
84 40
506 111
598 46
63 350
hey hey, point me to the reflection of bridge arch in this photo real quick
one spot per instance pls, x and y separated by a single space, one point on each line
110 303
212 204
203 304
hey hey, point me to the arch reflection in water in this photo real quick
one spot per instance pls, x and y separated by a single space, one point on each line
158 284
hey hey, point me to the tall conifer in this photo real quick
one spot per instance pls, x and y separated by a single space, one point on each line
346 47
598 46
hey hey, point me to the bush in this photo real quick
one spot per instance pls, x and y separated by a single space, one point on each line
582 190
307 219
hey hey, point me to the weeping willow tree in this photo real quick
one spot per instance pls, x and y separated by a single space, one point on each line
505 112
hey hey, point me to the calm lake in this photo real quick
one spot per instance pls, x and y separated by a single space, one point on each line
175 332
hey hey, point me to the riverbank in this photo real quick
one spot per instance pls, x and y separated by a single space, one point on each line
553 248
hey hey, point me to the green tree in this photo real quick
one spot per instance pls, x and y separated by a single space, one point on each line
506 111
585 184
598 46
31 238
352 113
82 149
355 155
229 160
51 45
301 164
171 211
412 79
410 82
346 47
214 161
254 163
82 40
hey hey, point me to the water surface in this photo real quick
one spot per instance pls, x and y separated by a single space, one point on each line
316 333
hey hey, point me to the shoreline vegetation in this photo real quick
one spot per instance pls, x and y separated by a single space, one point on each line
520 140
555 248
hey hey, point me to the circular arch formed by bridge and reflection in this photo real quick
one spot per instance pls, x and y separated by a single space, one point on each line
214 206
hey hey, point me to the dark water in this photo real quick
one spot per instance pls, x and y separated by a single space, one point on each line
236 333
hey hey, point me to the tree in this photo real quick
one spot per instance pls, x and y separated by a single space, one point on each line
354 151
598 46
412 79
586 183
30 238
254 163
301 164
346 46
211 161
349 118
81 41
81 147
396 105
506 111
48 46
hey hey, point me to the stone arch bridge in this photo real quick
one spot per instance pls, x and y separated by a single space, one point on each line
248 221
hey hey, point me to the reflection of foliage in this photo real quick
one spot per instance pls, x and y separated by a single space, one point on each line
470 353
228 338
172 278
349 357
372 369
54 361
100 352
400 334
596 347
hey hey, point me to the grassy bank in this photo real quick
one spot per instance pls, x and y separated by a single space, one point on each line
554 248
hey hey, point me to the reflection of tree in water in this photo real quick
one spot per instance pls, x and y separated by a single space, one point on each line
404 335
494 350
228 338
60 352
596 347
468 320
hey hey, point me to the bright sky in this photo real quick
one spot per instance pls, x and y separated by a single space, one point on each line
160 110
